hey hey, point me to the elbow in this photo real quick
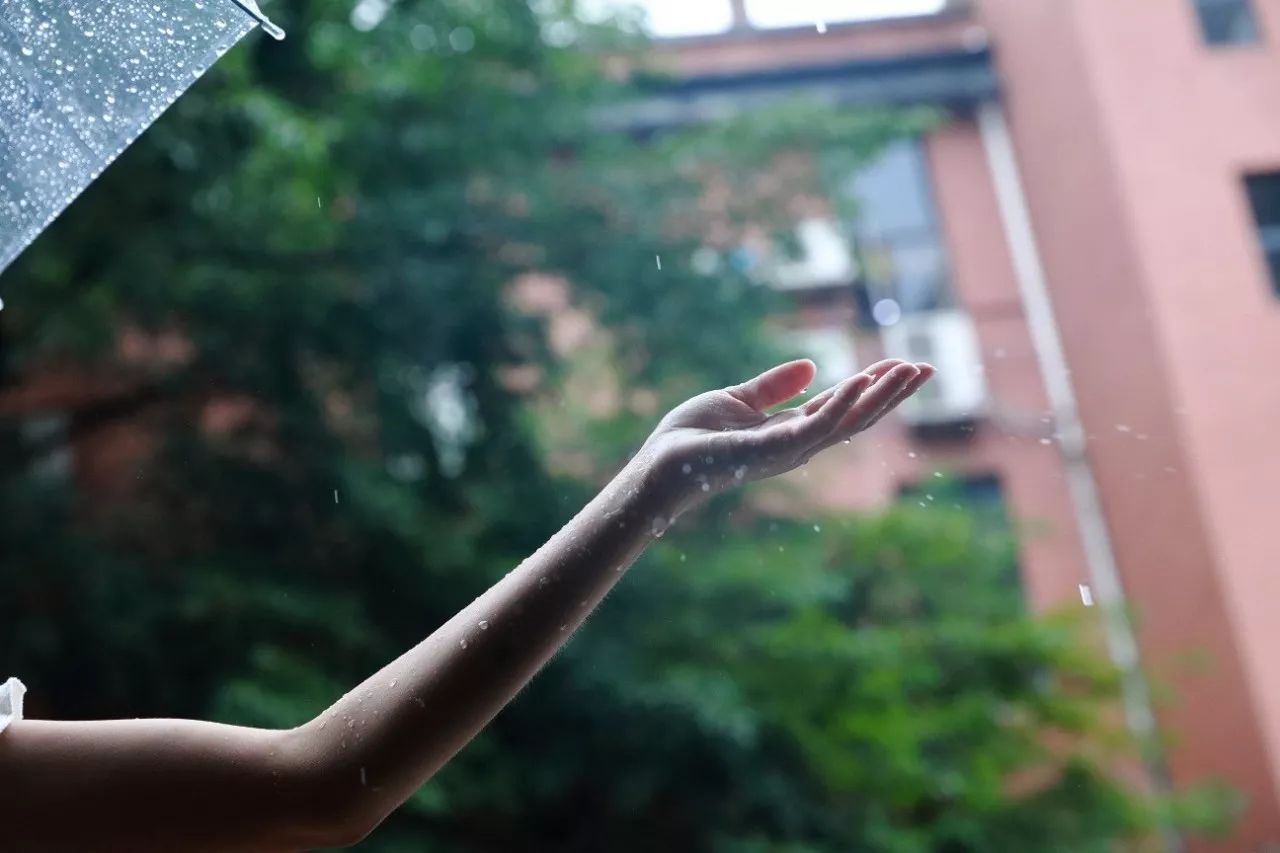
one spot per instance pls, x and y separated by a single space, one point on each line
335 806
340 831
335 817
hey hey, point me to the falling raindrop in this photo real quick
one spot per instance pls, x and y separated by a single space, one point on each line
817 528
658 260
335 495
1086 595
820 26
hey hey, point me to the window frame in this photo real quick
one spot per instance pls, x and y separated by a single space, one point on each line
1201 9
1266 230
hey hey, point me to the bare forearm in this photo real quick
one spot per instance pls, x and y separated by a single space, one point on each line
188 785
397 728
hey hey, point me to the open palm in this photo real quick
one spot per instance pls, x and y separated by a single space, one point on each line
726 436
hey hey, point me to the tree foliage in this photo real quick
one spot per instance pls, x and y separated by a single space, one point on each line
325 231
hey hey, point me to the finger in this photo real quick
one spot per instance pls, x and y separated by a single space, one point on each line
927 372
819 401
880 368
776 385
883 392
875 371
816 427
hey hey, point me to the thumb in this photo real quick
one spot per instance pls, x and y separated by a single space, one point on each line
776 385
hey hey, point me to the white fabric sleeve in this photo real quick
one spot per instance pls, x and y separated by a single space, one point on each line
11 693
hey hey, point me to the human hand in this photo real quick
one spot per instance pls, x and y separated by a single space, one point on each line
726 437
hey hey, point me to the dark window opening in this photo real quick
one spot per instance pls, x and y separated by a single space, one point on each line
1227 21
981 498
896 237
1264 198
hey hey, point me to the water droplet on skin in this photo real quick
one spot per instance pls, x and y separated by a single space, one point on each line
821 27
484 626
393 682
351 724
543 581
462 644
323 723
846 441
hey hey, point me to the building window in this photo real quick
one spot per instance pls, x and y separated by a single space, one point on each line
896 236
1227 21
1264 198
980 497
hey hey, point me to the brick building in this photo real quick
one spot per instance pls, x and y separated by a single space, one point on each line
1089 248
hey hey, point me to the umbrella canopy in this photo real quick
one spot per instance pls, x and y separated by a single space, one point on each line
81 79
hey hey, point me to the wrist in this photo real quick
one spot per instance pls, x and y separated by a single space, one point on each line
656 481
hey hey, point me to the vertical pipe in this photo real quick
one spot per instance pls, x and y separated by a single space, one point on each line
1104 575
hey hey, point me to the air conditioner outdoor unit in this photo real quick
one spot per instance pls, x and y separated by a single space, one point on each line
947 340
825 259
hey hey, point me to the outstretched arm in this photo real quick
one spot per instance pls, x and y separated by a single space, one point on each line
169 785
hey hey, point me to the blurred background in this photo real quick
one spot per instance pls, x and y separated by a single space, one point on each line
370 312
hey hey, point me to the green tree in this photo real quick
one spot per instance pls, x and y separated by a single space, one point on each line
327 230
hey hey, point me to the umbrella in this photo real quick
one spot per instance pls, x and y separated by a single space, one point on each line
81 79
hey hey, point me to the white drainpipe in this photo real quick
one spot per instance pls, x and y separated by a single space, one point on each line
1104 576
